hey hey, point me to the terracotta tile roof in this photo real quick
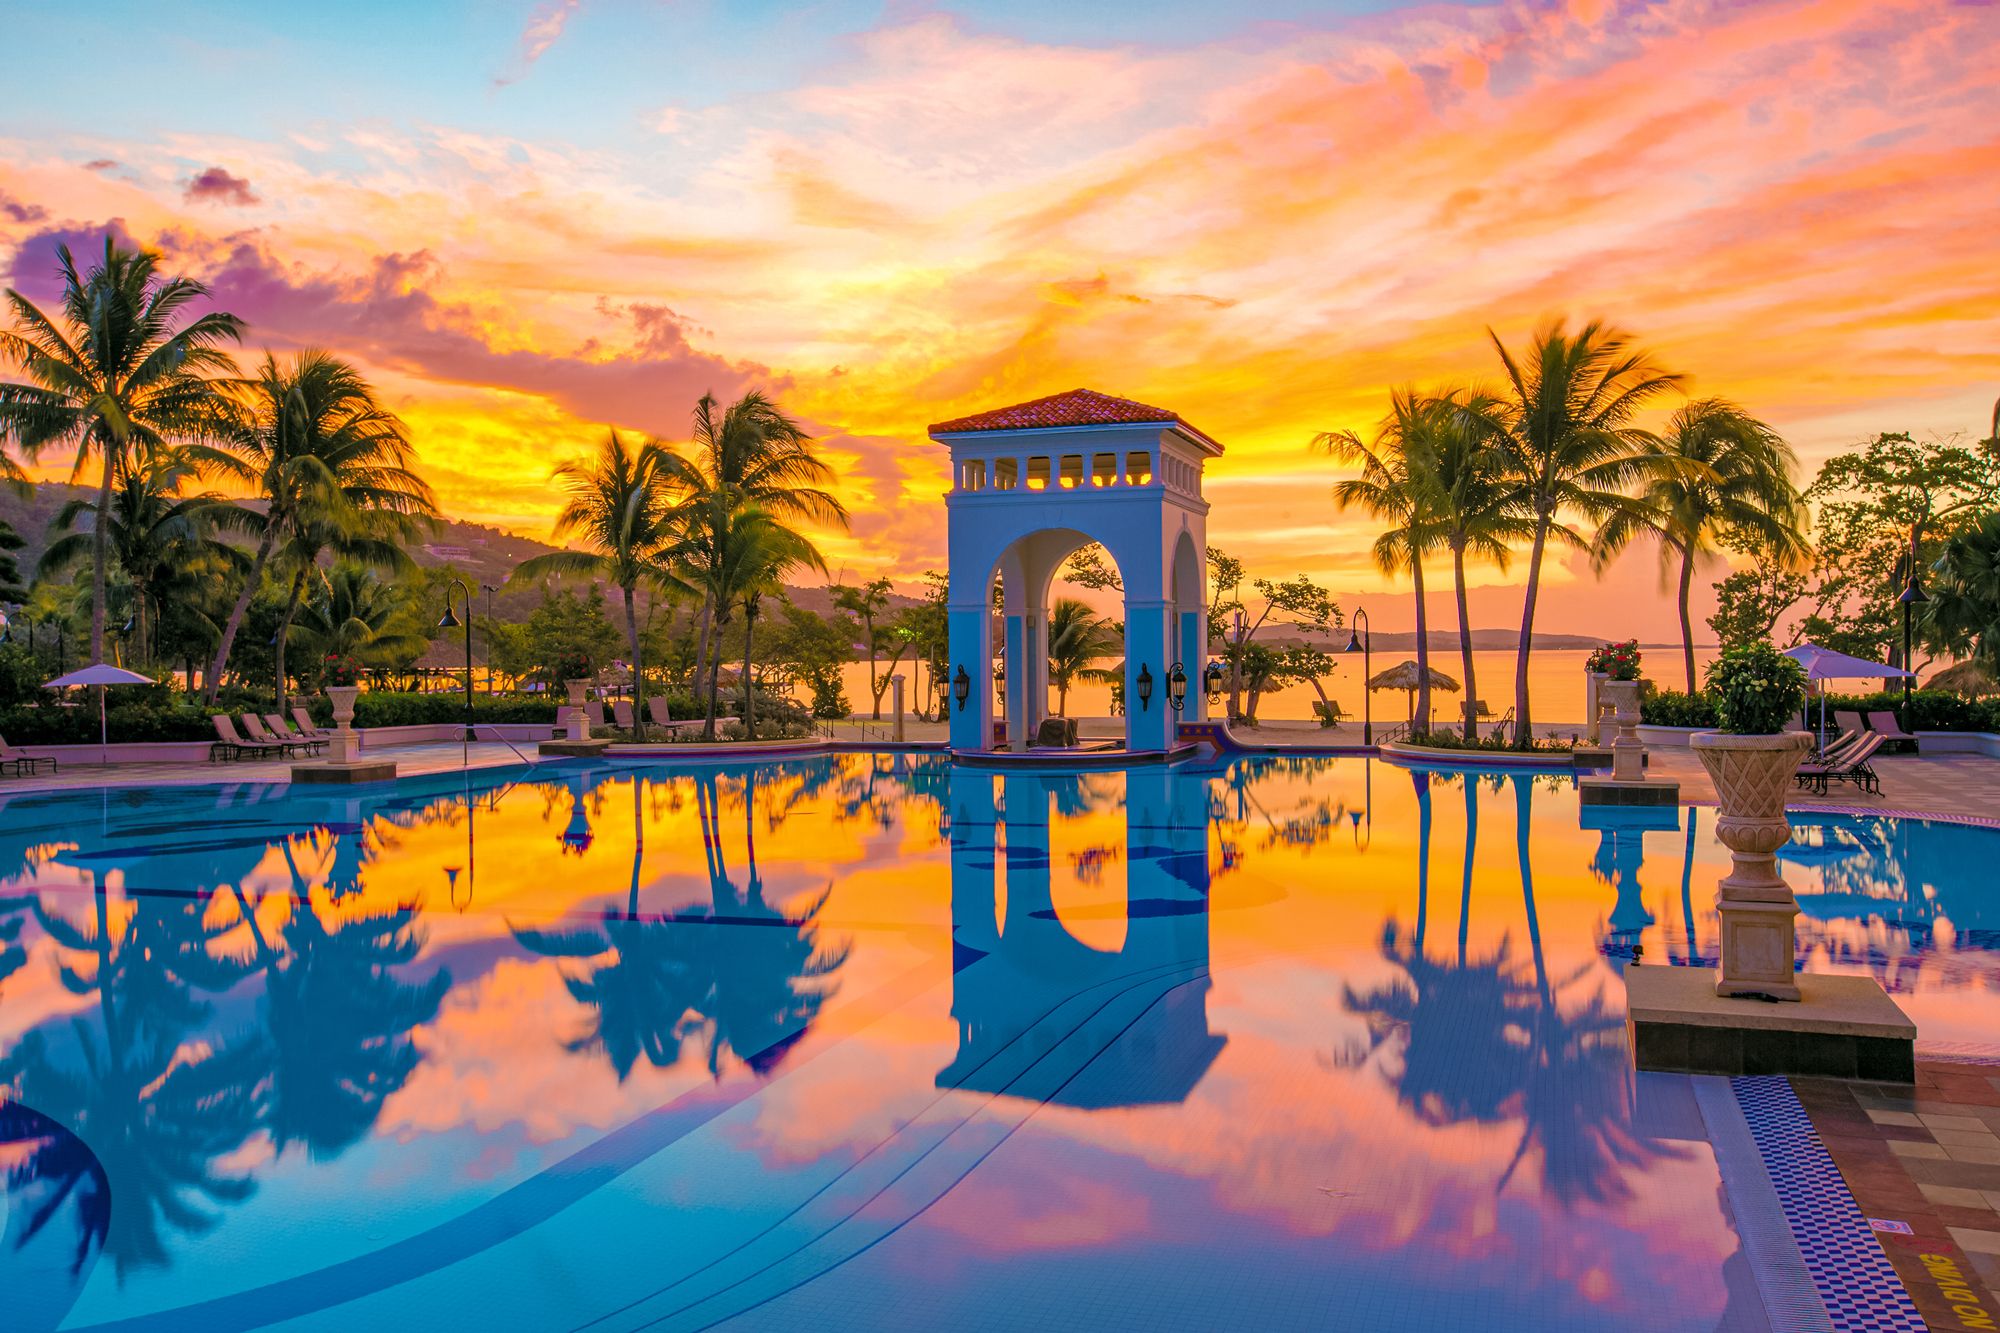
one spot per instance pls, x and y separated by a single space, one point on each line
1077 407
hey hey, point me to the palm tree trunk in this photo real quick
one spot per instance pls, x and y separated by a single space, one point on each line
285 631
875 695
749 704
638 675
1423 784
1471 851
100 551
714 683
1687 628
1423 719
236 614
1524 727
701 648
1465 642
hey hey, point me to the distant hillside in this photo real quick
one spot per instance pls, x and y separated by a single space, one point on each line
485 556
1441 641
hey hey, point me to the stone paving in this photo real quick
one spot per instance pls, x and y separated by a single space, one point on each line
427 757
1923 1163
1967 785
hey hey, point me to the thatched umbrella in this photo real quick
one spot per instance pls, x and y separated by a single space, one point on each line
1972 679
1403 676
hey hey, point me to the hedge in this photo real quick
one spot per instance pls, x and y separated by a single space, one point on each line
389 708
50 725
1673 708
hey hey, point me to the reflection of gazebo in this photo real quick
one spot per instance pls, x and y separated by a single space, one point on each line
1404 676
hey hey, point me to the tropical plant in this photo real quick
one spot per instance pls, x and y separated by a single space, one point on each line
122 373
326 462
1571 445
749 455
156 532
354 614
1716 475
620 505
1475 500
1392 489
1078 636
1756 689
1963 616
1620 661
757 553
864 603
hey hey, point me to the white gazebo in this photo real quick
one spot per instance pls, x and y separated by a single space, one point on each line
1032 484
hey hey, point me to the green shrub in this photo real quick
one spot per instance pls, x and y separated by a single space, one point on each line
829 699
124 724
1756 689
1495 741
390 708
1673 708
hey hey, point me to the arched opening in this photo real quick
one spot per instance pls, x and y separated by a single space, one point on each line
1056 641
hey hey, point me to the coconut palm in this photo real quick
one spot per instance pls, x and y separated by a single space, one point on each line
1717 474
1475 500
355 614
1390 489
1572 445
748 454
759 552
155 532
1963 617
323 460
1078 636
620 506
122 371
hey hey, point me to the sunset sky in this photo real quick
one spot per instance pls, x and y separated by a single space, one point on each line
530 221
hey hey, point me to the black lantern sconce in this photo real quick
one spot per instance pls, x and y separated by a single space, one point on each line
1145 685
1211 680
961 687
1176 687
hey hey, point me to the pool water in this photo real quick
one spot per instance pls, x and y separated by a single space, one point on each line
873 1041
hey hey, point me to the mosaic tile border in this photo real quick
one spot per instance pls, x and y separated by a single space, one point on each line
1855 1279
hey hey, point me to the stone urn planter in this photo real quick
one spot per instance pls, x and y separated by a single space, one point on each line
1752 775
1628 754
346 744
577 723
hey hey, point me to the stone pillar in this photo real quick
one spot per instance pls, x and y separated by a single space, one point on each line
896 703
1193 657
344 747
1593 704
1148 726
575 722
1752 775
1017 683
1628 756
966 632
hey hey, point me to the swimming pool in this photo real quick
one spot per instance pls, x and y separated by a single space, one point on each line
871 1041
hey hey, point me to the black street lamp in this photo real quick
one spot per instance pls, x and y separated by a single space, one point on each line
489 634
961 687
1913 594
1145 686
451 621
1176 687
1357 642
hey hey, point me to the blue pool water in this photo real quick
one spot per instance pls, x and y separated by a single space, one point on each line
876 1042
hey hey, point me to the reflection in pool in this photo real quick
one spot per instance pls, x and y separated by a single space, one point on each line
876 1041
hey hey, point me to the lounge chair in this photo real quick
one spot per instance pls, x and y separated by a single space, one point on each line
229 743
23 763
303 720
1055 733
260 735
621 712
593 712
282 730
1850 766
1885 725
656 708
1849 721
1329 712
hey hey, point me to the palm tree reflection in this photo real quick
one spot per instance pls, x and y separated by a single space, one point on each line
1494 1039
744 977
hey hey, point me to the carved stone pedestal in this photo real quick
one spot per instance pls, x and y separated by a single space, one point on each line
1751 776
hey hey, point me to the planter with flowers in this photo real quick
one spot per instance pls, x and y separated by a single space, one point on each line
1619 663
342 675
1751 761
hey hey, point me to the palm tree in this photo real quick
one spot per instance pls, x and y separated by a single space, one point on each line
759 552
620 505
1716 473
1572 445
1389 488
748 454
1474 499
155 532
121 372
355 614
1078 636
328 463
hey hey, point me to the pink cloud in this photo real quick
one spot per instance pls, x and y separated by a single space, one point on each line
544 30
213 185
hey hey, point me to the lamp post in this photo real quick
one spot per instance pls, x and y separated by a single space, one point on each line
1357 642
1913 594
451 621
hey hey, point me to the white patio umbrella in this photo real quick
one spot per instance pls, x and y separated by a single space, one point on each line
101 673
1824 664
